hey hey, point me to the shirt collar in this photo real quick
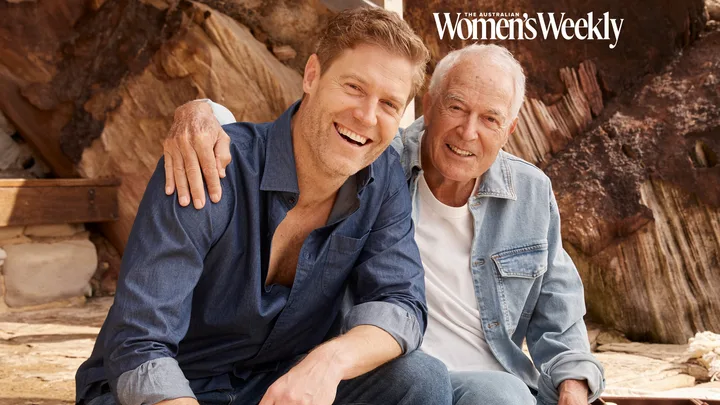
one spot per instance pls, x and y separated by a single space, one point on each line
280 173
497 181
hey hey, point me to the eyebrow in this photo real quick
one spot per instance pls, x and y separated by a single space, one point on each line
454 97
491 110
400 104
494 111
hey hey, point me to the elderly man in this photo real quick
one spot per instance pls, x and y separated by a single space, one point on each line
234 303
489 235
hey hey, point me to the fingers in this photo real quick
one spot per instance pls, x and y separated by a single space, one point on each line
222 152
181 184
189 146
193 174
209 171
169 178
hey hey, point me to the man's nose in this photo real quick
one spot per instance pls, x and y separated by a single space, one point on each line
470 128
366 112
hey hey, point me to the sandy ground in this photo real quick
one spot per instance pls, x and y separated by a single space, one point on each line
40 351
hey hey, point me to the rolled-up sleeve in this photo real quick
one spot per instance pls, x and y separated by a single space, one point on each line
557 337
161 266
153 381
388 283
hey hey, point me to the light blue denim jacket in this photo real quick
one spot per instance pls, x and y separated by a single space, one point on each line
527 286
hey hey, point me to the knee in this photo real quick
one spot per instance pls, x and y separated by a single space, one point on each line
423 376
489 388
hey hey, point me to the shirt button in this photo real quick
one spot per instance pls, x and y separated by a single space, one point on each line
479 262
291 200
493 324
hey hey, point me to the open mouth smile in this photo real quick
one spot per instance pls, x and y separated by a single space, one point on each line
350 136
458 151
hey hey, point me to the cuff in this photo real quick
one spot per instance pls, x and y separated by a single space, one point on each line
151 382
571 365
222 114
389 317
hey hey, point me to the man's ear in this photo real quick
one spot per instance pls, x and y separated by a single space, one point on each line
510 130
312 74
427 105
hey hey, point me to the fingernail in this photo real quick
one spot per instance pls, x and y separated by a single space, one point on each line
198 203
168 190
222 173
215 198
184 200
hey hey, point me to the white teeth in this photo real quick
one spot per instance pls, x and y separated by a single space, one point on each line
352 135
460 151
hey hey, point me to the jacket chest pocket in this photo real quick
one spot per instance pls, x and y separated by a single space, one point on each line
343 252
518 276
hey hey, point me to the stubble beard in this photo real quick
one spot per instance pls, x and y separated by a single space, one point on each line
317 139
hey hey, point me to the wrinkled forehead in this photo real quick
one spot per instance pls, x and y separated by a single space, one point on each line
480 82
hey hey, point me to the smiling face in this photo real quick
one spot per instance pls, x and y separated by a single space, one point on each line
467 122
352 111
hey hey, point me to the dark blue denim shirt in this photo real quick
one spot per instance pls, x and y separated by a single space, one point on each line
191 307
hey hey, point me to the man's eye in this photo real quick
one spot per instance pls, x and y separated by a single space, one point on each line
492 120
390 104
455 108
354 87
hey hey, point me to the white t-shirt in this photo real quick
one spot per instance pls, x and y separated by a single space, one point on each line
454 333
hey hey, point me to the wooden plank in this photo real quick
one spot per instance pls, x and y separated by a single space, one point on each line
59 182
57 201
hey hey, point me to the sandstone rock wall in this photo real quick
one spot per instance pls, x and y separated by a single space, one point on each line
95 93
639 195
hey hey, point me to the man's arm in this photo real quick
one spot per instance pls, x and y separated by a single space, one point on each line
389 316
388 284
161 265
318 375
557 337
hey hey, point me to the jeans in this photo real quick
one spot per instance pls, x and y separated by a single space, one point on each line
414 379
489 388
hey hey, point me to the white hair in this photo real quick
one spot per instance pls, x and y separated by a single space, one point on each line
493 54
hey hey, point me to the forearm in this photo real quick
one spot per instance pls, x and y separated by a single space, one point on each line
574 387
360 350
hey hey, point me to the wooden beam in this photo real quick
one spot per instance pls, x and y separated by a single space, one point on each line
57 201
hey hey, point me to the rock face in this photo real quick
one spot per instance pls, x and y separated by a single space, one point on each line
650 37
640 200
96 94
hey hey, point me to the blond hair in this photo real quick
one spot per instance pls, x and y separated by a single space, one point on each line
373 26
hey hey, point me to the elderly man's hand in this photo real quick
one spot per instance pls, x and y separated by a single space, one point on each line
573 392
196 146
313 381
